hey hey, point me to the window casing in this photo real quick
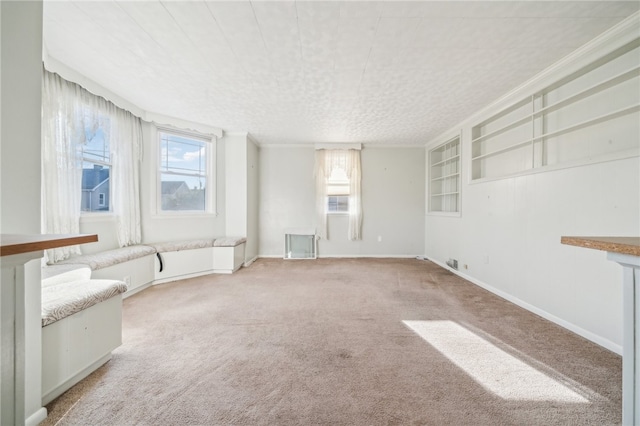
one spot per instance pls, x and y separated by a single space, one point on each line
185 173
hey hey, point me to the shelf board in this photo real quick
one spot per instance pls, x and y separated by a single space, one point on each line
442 194
446 160
604 85
593 121
591 90
445 177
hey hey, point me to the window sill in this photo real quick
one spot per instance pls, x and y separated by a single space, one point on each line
89 217
184 215
337 213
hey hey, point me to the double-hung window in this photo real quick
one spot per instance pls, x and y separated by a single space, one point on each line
185 173
96 164
338 190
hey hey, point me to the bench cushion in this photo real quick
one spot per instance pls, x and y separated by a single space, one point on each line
62 300
181 245
110 257
229 241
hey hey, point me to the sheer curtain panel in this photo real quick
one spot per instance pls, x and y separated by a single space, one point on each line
71 119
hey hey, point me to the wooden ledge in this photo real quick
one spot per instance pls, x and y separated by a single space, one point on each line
21 243
622 245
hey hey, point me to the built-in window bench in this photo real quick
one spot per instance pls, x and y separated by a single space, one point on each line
133 265
140 266
81 325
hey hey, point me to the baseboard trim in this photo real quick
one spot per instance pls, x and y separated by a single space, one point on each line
605 343
182 277
62 388
348 256
250 261
36 418
137 290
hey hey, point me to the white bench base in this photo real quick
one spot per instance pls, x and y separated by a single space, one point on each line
75 346
178 265
227 260
137 274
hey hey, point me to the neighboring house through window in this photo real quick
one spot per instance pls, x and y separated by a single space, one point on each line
96 164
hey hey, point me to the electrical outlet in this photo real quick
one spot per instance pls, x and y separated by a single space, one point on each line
127 280
379 238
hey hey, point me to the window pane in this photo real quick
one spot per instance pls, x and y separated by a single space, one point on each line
338 204
95 187
183 192
182 155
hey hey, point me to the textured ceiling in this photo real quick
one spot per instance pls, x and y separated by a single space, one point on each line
305 72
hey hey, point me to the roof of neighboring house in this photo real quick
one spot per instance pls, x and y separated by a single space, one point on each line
92 178
171 187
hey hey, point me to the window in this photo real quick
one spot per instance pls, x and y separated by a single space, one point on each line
338 190
96 164
444 177
185 173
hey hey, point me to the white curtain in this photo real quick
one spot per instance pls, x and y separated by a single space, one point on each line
68 111
62 132
349 161
126 145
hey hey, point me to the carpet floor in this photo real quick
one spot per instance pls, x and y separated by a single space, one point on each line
341 342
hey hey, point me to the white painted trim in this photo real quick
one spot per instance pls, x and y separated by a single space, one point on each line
59 390
36 418
136 290
605 343
357 146
250 261
346 256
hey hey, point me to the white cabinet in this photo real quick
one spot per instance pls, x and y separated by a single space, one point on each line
76 345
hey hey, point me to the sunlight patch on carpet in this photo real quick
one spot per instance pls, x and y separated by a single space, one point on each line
494 369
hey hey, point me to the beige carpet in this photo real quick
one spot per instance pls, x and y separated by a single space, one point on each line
341 342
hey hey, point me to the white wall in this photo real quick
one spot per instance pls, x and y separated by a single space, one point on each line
508 235
21 79
392 196
253 201
242 190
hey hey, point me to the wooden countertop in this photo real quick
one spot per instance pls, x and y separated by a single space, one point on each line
22 243
622 245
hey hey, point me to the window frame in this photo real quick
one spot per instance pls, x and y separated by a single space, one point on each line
338 183
210 173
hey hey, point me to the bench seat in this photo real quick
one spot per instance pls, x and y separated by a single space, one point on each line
110 257
65 299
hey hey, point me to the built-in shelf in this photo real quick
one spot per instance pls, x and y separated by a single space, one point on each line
444 177
542 128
